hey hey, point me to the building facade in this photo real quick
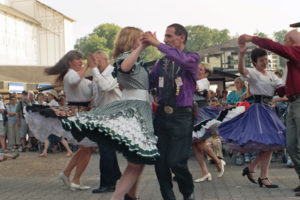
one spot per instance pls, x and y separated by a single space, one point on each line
33 36
224 59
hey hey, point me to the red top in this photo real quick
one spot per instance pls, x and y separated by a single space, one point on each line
292 53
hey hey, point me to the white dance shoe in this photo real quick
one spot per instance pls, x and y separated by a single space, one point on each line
74 187
64 179
204 178
221 173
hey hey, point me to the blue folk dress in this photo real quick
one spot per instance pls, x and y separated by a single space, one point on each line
258 128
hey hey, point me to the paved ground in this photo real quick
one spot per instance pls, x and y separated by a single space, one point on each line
30 177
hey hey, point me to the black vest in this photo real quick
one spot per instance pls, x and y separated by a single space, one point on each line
169 70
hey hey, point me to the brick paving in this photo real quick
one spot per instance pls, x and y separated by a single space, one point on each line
33 178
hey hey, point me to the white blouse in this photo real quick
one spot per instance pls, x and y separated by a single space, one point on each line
53 103
76 89
260 84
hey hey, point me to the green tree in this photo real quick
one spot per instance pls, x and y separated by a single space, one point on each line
201 37
102 38
260 34
279 37
150 54
109 32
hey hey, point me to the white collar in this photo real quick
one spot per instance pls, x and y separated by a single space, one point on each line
108 70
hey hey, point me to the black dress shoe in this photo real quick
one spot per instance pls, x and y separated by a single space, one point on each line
297 189
127 197
104 189
297 194
191 197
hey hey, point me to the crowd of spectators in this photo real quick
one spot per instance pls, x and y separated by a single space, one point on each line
15 135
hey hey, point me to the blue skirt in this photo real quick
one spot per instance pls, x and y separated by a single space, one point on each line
257 129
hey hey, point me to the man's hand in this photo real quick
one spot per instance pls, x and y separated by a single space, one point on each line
150 39
91 61
242 48
245 38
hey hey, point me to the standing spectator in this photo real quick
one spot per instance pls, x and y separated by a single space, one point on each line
235 95
45 97
223 99
13 129
52 98
2 132
218 93
31 99
62 100
21 121
40 99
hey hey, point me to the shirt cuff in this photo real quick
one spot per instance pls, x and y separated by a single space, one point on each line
95 71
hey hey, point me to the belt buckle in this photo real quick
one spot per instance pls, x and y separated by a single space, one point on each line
168 109
266 101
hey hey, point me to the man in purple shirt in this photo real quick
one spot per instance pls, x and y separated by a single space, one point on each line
175 77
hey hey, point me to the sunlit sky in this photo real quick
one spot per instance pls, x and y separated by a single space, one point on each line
238 16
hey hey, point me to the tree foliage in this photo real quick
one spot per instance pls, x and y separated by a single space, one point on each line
260 34
150 54
201 37
279 37
102 38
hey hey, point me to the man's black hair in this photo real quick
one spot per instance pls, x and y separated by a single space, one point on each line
180 30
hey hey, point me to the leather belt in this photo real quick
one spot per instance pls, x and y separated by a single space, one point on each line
267 100
170 110
294 97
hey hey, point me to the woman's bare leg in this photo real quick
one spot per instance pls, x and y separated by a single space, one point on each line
128 181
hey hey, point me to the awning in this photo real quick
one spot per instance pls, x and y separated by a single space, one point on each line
25 74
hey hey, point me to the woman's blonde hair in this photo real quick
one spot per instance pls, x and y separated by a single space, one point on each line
243 86
126 40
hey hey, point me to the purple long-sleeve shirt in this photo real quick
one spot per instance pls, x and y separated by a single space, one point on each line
189 65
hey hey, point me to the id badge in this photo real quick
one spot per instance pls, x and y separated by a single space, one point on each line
161 82
178 82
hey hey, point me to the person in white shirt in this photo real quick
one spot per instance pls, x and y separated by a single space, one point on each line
105 90
2 132
40 99
52 98
78 92
44 120
258 129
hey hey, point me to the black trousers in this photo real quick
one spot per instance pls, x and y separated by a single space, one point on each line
174 133
109 167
